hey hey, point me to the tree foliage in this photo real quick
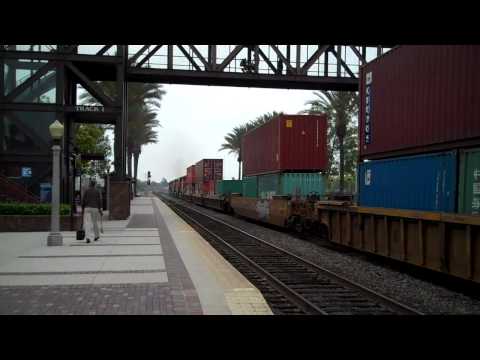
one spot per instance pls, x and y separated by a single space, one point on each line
144 100
91 139
341 109
233 140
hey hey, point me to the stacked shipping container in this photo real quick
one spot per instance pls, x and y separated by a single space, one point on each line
419 100
286 144
190 181
228 187
469 182
207 173
424 182
284 184
200 179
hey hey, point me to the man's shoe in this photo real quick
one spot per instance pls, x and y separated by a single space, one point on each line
96 239
88 241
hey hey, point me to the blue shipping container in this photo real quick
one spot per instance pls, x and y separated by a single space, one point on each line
423 182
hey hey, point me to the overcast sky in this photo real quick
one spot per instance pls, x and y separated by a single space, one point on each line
195 120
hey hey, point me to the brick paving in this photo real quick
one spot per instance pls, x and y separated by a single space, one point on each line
115 299
177 297
178 277
134 287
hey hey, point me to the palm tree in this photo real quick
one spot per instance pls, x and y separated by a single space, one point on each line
339 106
233 143
143 100
263 119
233 140
142 133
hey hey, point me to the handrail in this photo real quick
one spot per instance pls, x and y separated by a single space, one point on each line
16 191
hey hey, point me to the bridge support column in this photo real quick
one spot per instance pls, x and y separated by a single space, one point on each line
119 202
120 186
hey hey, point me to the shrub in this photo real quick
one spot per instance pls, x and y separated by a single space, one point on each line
31 209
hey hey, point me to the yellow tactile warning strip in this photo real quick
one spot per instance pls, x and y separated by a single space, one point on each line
247 302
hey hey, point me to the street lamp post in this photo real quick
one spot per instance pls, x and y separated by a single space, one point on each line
55 237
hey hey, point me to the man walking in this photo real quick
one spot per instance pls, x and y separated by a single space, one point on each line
91 210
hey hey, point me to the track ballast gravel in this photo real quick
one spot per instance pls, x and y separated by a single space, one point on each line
418 294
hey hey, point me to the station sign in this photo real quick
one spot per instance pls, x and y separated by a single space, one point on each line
368 108
26 172
83 108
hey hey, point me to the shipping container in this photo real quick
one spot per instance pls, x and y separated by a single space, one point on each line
286 143
190 175
469 182
226 187
208 169
250 187
290 184
208 188
423 182
303 184
417 99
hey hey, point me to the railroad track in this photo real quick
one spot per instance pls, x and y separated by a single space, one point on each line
290 284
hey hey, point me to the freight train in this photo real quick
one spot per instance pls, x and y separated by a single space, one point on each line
418 175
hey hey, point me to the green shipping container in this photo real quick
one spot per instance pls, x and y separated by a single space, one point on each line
293 184
269 185
303 184
226 187
469 182
250 186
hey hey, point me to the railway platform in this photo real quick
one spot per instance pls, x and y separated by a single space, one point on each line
150 264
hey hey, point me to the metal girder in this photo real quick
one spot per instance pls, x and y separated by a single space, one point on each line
343 64
267 60
138 54
199 55
190 59
55 56
69 49
359 55
230 57
212 57
90 86
170 57
149 55
29 82
2 78
104 50
284 60
24 65
258 59
77 109
242 80
316 55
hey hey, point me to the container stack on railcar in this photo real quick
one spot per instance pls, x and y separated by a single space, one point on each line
190 181
419 169
420 129
282 164
285 156
207 173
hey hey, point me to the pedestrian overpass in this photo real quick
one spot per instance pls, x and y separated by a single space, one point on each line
39 83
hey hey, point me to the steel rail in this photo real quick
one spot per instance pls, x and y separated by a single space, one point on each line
371 294
289 293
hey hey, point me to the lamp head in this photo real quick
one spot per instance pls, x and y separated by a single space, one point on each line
56 130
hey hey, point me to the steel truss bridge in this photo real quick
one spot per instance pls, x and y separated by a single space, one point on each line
45 79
